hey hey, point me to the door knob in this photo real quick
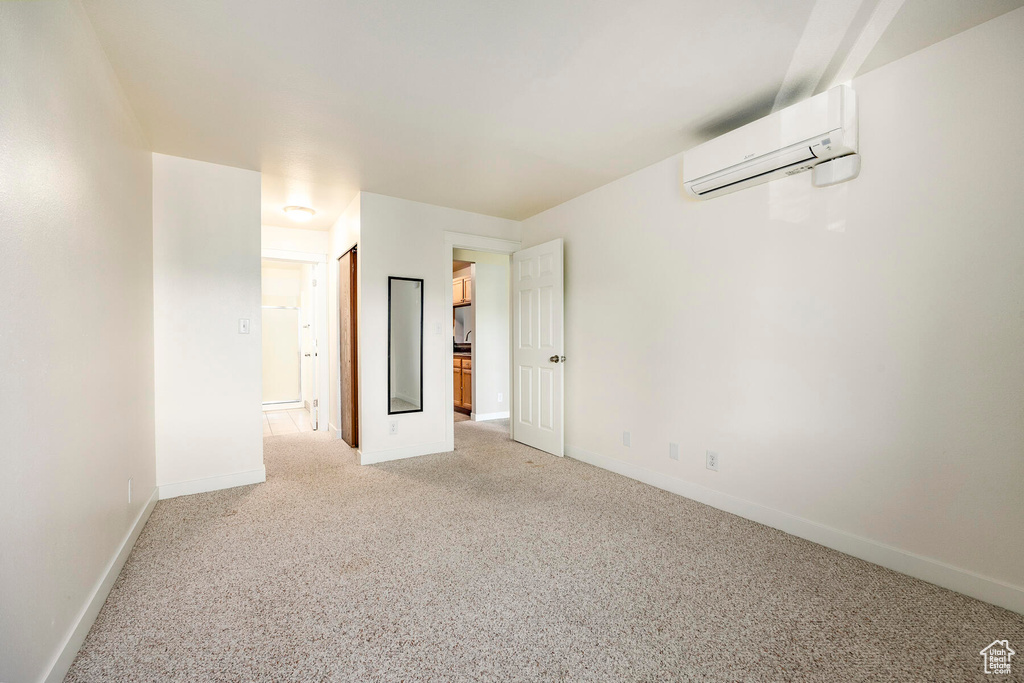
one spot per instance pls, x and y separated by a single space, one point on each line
557 359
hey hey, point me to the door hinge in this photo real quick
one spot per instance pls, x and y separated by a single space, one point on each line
316 402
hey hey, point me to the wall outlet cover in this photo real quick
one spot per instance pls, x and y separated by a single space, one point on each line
625 439
392 428
712 461
673 451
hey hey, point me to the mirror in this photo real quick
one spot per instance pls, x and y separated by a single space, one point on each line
405 345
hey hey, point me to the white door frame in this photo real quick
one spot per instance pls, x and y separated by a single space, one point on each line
493 245
320 316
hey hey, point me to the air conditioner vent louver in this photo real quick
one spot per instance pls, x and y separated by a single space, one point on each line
755 168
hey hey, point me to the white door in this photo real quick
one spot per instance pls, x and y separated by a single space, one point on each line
538 349
312 347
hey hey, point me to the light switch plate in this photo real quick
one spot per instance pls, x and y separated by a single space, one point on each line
243 326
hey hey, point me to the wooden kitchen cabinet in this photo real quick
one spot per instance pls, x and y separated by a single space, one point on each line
462 291
457 385
462 383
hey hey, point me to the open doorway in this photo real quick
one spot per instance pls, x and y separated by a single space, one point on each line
532 314
291 318
480 335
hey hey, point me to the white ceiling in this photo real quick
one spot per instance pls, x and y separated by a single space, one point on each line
503 108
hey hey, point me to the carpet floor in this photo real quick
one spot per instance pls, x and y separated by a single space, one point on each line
501 563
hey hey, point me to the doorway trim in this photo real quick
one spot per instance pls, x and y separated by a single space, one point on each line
493 245
321 319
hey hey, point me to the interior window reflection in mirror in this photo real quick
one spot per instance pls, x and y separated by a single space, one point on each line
405 345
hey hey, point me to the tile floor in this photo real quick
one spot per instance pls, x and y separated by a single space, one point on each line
291 421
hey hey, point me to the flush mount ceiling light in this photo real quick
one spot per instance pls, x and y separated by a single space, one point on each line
299 213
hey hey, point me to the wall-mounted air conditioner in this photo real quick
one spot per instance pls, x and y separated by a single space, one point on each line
790 141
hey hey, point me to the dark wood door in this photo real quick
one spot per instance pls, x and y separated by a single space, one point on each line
348 337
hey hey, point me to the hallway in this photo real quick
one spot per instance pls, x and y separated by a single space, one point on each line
291 421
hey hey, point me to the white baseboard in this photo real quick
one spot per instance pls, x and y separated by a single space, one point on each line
401 453
224 481
483 417
76 636
933 571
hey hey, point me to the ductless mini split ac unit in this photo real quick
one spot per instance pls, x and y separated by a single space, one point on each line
796 139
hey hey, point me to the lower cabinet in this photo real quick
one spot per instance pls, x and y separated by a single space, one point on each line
462 382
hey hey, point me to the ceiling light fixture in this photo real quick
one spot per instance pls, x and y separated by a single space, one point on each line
299 213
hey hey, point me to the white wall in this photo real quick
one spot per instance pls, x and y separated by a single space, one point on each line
463 323
295 239
206 271
280 283
853 353
76 334
404 238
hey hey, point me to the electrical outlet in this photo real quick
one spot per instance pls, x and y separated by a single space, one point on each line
712 461
673 451
625 439
501 397
393 427
129 489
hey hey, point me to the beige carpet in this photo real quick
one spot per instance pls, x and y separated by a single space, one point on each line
500 563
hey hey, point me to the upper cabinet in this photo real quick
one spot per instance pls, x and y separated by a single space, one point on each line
462 291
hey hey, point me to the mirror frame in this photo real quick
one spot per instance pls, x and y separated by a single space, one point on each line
391 279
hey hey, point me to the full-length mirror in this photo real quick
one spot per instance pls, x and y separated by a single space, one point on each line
405 345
